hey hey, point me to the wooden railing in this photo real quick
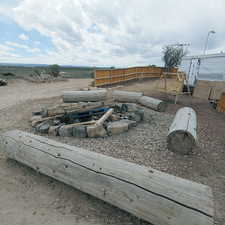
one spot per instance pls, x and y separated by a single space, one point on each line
113 76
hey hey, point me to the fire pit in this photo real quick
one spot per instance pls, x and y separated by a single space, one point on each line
87 119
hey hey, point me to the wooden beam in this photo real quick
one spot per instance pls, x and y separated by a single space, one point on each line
154 196
104 118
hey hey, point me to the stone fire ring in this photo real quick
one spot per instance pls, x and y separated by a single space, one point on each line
121 117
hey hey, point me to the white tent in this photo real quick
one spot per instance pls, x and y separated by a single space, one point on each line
204 67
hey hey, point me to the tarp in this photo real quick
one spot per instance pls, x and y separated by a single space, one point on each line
204 67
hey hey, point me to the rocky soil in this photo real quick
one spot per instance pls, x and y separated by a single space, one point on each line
31 198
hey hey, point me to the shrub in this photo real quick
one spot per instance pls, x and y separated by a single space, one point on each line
54 70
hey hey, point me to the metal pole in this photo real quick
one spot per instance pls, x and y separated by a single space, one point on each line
206 43
207 40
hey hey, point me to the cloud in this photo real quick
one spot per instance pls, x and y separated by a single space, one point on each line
120 32
5 51
27 48
23 37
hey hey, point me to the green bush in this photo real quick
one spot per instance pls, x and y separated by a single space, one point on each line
54 70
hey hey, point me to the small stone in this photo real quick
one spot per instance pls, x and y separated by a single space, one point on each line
65 131
56 122
79 131
131 107
35 118
115 117
117 127
37 113
43 127
53 130
131 123
96 131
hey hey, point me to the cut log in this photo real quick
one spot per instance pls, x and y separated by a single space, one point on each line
154 196
182 136
104 118
126 96
70 107
84 96
153 103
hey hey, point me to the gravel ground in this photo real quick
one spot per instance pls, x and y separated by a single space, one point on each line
33 199
144 144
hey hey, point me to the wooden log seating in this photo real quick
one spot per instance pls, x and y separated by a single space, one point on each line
117 95
182 136
154 196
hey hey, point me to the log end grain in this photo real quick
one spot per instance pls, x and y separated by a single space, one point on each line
181 142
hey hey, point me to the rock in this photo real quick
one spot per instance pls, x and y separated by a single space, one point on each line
35 118
3 82
136 116
131 123
131 107
79 131
56 122
38 113
53 130
43 127
115 117
120 108
117 127
96 131
140 112
65 131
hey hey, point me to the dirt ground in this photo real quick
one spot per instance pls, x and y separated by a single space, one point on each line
29 198
19 90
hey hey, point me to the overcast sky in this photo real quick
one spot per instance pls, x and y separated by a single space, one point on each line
106 32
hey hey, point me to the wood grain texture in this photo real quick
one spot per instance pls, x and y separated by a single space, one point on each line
84 96
149 194
126 96
152 103
104 117
182 136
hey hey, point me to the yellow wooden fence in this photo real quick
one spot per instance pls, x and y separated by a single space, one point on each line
113 76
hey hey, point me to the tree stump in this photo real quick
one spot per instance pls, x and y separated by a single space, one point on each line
182 136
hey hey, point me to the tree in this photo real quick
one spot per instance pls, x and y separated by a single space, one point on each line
54 70
172 56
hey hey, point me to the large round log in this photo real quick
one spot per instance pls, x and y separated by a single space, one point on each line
182 134
126 96
84 96
153 103
157 197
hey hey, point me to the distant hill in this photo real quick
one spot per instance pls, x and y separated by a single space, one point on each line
45 65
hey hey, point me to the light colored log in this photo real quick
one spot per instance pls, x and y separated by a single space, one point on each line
84 96
153 103
126 96
70 107
182 136
154 196
35 122
104 118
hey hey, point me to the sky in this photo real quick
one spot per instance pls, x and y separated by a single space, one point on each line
116 33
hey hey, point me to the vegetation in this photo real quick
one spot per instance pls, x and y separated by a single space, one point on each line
25 71
172 56
54 70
